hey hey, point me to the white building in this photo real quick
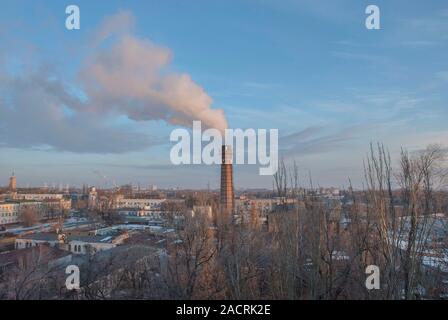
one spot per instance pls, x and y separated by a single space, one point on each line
55 200
206 211
9 212
93 198
145 204
77 244
141 213
39 196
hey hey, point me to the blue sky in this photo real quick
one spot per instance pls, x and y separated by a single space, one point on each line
309 68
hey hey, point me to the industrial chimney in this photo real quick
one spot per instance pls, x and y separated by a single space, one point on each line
227 200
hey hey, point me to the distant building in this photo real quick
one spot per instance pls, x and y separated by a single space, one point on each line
57 206
10 211
205 211
12 182
140 213
141 208
40 196
76 244
54 202
93 198
146 204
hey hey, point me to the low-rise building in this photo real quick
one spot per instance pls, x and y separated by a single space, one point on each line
77 244
56 200
146 204
11 211
39 196
140 213
24 259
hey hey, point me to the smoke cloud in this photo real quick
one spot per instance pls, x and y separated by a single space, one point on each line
121 74
131 77
34 113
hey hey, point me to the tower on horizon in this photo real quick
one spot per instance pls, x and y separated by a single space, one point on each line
227 200
12 182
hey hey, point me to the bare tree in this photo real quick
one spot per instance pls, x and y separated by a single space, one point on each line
29 216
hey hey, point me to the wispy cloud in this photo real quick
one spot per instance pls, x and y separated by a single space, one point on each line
421 31
442 75
32 115
119 24
259 85
315 140
358 56
419 43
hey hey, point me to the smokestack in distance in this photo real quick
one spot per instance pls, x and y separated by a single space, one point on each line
227 200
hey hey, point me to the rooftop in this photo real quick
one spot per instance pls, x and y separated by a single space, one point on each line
42 253
54 237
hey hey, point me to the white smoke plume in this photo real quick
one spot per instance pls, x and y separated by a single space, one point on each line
120 74
130 76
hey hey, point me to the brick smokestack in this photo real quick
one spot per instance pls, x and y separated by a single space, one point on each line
227 200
